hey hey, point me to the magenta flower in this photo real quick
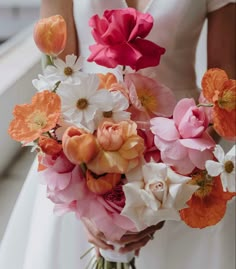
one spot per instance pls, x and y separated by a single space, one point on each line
119 36
183 141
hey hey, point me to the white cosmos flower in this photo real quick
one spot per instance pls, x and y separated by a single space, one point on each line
68 71
158 196
119 104
225 167
80 102
44 83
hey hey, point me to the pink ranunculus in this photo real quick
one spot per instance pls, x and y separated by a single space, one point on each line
120 39
151 152
110 136
183 141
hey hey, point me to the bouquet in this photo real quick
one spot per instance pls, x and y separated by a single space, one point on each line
117 148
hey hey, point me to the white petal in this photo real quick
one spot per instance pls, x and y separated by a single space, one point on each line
60 64
70 60
214 168
149 200
232 151
120 116
154 171
219 153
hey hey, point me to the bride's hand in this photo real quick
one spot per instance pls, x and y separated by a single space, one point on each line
95 236
135 241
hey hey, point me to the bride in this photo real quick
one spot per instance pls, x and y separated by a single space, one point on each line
37 239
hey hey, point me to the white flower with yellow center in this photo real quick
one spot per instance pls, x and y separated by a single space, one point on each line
225 167
80 102
68 71
158 195
119 104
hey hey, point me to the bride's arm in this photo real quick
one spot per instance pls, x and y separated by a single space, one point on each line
65 9
221 40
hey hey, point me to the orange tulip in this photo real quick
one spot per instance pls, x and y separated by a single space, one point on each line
50 35
219 90
79 146
208 204
32 120
102 184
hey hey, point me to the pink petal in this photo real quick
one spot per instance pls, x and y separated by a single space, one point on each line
199 158
164 128
181 108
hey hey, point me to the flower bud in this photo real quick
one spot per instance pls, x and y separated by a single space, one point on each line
50 35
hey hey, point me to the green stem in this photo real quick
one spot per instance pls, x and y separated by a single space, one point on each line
205 105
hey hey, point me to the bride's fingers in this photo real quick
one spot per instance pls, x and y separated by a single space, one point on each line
133 237
134 245
91 228
98 242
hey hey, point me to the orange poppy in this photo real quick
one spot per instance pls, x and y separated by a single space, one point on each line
208 204
221 91
32 120
102 183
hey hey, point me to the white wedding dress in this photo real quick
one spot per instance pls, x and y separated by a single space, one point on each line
36 239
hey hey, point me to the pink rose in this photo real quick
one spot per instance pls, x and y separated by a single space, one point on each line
191 120
183 141
119 37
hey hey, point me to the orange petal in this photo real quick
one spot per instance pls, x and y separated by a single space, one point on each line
106 80
212 83
49 146
79 146
209 210
224 123
50 35
31 120
102 184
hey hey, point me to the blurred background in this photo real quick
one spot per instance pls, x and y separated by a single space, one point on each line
19 64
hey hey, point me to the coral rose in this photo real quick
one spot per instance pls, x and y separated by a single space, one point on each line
121 148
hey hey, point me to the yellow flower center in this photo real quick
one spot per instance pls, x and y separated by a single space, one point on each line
229 166
205 183
68 71
37 120
228 101
147 100
107 114
82 103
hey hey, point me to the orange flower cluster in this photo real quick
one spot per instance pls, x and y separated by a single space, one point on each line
208 204
32 120
221 91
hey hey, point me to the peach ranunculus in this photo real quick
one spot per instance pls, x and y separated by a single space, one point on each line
120 39
208 204
106 80
121 148
79 146
50 35
32 120
221 92
102 184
